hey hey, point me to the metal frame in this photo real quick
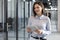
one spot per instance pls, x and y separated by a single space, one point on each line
5 12
16 19
24 20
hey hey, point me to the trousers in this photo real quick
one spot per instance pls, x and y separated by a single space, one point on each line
31 38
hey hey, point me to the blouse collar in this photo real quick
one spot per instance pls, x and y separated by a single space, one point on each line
39 17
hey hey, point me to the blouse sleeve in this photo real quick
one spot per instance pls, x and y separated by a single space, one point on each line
48 27
29 22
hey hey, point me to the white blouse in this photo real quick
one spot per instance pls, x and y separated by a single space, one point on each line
43 23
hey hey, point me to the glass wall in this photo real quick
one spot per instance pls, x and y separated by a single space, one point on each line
24 11
54 19
11 19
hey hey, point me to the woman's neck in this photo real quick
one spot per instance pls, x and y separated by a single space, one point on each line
39 15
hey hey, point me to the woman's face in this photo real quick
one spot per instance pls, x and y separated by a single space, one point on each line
38 9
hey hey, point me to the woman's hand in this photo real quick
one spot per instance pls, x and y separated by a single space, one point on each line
38 31
29 30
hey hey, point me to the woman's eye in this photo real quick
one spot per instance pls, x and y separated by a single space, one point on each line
37 7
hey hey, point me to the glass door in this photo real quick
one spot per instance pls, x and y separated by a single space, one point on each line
15 18
24 12
10 20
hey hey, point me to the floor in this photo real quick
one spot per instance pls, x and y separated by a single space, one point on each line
11 36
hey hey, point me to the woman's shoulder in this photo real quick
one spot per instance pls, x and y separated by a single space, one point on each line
46 17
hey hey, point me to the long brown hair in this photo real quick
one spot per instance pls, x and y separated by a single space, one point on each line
39 3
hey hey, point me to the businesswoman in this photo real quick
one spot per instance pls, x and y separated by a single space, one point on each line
38 25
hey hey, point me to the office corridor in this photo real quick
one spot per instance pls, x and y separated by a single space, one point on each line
14 15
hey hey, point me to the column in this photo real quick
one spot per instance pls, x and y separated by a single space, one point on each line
58 16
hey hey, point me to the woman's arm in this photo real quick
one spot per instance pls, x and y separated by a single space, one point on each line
48 28
29 30
29 25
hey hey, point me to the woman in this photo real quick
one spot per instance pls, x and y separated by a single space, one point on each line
38 25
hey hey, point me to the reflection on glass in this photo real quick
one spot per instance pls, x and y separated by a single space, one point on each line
11 20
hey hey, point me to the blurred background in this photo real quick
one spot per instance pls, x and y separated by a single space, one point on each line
14 16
